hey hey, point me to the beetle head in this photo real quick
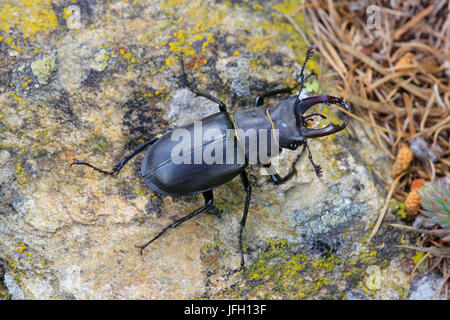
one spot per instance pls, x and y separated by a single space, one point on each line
303 105
289 118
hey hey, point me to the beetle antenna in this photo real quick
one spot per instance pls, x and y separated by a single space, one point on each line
309 55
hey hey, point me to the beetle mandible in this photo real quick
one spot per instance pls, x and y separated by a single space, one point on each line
286 121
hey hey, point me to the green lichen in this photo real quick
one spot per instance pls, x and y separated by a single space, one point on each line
12 146
289 273
398 208
312 86
101 60
402 292
212 253
101 143
373 280
283 271
224 205
43 68
139 189
367 256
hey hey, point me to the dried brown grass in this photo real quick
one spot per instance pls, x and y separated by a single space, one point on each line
397 81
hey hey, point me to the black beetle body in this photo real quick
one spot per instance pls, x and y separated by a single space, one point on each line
162 175
174 168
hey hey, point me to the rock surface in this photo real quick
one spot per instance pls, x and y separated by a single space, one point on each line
70 233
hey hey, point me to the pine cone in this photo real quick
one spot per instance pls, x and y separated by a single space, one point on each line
413 203
403 160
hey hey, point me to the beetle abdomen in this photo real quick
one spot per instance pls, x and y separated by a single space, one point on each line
194 158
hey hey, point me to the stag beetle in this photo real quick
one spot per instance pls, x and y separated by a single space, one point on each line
285 123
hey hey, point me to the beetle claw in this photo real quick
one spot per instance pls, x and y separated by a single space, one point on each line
307 103
77 162
318 170
141 247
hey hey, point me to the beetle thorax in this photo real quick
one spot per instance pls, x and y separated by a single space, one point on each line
284 120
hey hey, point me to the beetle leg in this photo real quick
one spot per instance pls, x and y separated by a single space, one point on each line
317 168
209 199
187 83
260 99
280 180
248 190
116 168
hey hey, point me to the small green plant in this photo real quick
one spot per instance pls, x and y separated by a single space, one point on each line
435 203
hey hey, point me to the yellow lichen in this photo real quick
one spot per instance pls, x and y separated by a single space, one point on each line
290 273
23 179
21 248
418 257
28 16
